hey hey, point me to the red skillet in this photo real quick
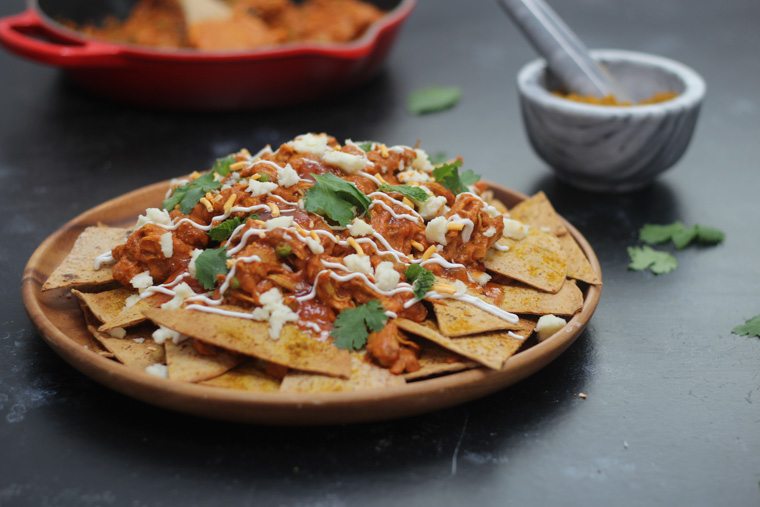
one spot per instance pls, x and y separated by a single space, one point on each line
185 79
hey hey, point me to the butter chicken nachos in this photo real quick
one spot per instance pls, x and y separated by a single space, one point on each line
326 267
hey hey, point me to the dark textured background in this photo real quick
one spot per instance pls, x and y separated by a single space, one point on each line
673 409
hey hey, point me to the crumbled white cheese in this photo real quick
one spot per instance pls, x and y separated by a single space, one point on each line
167 245
481 278
154 216
548 325
281 221
162 334
257 188
435 231
142 280
432 207
386 276
315 144
460 287
157 370
492 211
413 176
488 233
181 292
514 229
118 332
193 257
131 301
287 176
275 310
422 162
103 259
359 228
358 263
349 163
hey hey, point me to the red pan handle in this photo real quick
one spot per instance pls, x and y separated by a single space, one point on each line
17 33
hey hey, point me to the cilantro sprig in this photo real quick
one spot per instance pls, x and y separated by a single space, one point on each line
353 325
449 176
336 199
188 195
658 262
413 193
421 278
680 234
223 231
209 264
433 99
366 146
750 327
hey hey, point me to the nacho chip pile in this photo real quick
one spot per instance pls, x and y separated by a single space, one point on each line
321 267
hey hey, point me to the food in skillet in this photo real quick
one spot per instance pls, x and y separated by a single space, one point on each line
241 24
326 267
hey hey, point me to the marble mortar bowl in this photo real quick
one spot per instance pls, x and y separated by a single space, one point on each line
613 148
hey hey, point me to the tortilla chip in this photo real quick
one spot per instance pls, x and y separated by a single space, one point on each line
488 196
490 349
435 360
107 305
536 260
133 315
294 349
518 299
78 268
538 212
133 354
245 377
187 365
578 266
364 375
459 318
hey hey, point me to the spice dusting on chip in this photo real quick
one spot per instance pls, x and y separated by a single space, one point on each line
332 266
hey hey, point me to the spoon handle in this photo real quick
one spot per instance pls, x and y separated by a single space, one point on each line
567 57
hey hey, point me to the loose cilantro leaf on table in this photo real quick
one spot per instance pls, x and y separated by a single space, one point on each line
658 262
448 175
209 264
433 99
680 234
336 199
749 328
352 327
188 195
413 193
422 280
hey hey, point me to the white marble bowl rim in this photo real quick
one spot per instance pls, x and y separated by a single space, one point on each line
692 94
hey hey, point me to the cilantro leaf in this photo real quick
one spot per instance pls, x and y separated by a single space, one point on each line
681 235
422 280
336 199
353 325
709 235
433 99
749 328
222 231
438 158
658 262
188 195
413 193
209 264
448 176
366 146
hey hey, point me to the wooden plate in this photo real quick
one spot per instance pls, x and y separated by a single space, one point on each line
59 320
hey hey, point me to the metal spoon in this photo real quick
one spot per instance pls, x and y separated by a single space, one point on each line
567 57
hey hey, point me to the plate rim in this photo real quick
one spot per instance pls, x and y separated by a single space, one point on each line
175 395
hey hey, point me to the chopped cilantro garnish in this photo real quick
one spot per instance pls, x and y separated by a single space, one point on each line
433 99
422 280
223 231
749 328
680 234
366 146
448 175
188 195
283 250
336 199
234 283
264 178
658 262
209 264
352 327
413 193
438 158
